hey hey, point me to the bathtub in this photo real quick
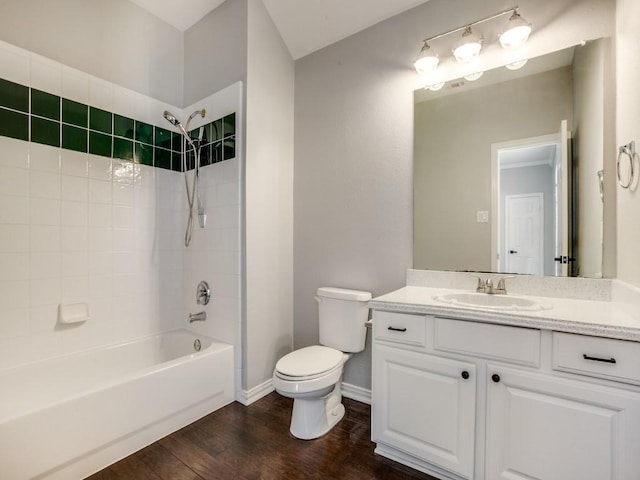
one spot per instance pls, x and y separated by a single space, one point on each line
68 417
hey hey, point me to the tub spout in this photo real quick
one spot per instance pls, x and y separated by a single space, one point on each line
197 317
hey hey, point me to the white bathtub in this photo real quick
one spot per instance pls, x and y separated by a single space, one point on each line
68 417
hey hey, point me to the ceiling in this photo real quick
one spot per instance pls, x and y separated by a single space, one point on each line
305 26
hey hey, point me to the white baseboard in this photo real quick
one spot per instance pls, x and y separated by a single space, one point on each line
356 393
247 397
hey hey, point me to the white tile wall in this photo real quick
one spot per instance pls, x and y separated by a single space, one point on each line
214 254
83 228
46 75
14 64
14 153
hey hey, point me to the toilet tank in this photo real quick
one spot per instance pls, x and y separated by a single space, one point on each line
342 315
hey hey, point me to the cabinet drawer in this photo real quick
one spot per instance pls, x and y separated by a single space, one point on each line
496 342
400 327
607 358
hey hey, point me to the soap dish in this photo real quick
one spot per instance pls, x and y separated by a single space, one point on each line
73 313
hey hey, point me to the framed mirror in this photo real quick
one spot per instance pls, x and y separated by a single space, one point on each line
509 167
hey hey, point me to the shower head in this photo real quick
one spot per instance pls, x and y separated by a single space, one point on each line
171 118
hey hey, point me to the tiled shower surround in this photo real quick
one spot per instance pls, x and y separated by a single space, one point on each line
80 223
31 114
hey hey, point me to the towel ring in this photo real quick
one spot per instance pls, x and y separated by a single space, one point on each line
626 151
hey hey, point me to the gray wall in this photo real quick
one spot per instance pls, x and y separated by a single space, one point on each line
628 128
453 140
353 173
353 210
115 40
124 44
215 51
268 197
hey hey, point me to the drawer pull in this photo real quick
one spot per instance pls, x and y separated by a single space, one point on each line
496 378
465 375
598 359
397 329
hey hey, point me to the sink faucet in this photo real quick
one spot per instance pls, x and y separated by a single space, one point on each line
500 289
197 317
487 286
480 288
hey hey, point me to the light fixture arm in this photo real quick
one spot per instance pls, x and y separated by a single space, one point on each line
467 25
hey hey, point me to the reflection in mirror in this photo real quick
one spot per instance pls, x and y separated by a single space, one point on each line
507 168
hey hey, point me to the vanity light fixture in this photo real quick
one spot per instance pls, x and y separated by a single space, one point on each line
514 34
427 60
468 47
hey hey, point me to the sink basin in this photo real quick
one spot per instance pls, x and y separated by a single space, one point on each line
495 302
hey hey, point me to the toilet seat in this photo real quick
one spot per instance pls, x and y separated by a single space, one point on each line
309 363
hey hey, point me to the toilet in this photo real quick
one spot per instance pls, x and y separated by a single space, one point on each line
312 375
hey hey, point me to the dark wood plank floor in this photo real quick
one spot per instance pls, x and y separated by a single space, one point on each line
251 443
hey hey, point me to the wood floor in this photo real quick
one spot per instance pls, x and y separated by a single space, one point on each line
251 443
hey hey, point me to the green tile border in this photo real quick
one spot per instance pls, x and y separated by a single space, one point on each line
100 120
45 104
45 131
123 149
75 113
14 96
123 126
14 124
33 115
100 144
75 138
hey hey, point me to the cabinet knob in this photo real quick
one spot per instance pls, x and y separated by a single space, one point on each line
465 374
496 378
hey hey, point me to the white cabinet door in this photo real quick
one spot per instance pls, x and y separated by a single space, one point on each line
425 406
545 428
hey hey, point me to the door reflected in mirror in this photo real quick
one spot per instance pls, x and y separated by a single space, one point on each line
507 169
531 197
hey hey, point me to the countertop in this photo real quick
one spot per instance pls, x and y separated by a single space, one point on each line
588 317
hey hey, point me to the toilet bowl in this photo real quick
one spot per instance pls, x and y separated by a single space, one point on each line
312 376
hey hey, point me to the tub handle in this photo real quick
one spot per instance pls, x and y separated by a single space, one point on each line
203 293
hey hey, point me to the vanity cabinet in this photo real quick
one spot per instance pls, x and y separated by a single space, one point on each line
461 399
549 428
426 406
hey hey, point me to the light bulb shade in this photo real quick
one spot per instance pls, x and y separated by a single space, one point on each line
516 65
469 47
474 76
516 32
435 87
427 60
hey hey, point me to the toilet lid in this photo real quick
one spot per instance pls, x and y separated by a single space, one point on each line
309 361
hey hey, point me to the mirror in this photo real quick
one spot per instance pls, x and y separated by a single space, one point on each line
509 169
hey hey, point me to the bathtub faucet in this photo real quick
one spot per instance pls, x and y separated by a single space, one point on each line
197 317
